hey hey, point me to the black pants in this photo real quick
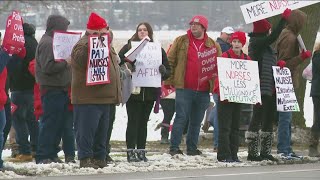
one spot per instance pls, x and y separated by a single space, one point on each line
7 127
316 108
168 107
264 115
229 122
112 117
138 116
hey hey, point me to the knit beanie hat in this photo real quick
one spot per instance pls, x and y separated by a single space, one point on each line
200 19
96 22
239 35
261 26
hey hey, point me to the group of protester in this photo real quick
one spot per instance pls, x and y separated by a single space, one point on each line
54 102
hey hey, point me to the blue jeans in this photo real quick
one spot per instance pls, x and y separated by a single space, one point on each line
24 122
2 125
52 123
189 105
213 118
91 122
284 133
68 139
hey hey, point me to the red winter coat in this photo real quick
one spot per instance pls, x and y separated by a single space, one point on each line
3 95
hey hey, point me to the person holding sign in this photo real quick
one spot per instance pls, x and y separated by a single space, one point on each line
264 114
54 79
191 56
229 112
289 55
315 94
95 88
140 104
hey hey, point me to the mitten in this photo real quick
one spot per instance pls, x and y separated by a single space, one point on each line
281 63
286 14
305 54
162 69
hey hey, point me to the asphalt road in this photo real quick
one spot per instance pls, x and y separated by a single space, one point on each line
274 172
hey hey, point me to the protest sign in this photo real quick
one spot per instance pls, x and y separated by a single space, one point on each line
207 62
258 10
63 43
166 91
239 81
98 60
134 51
147 65
286 98
13 39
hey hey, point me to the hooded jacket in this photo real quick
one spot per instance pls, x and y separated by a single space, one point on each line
49 73
287 45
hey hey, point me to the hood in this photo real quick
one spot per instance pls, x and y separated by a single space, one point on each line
29 29
56 23
296 21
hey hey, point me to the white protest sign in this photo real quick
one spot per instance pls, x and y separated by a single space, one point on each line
98 61
63 43
239 81
286 98
147 66
258 10
134 51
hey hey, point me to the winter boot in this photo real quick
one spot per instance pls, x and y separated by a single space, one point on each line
109 160
87 163
69 159
99 162
252 138
266 146
314 142
131 156
141 154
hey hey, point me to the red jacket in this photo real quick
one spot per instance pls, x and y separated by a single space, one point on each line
228 54
3 95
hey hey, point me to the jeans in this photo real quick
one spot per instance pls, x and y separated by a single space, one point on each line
68 139
214 120
190 105
52 123
2 125
24 122
284 133
7 128
111 121
91 122
316 122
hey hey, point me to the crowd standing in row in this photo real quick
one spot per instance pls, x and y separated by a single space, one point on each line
55 104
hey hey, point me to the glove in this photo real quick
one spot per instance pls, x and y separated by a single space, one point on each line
305 54
286 14
258 104
162 69
22 53
281 63
131 66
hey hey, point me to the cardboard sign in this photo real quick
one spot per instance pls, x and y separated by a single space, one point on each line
258 10
147 66
98 60
13 38
286 98
207 61
131 55
63 43
166 91
239 81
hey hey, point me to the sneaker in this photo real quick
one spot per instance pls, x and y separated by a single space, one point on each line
56 160
174 152
269 157
295 156
86 163
228 160
99 162
284 156
69 159
22 158
194 152
44 161
109 160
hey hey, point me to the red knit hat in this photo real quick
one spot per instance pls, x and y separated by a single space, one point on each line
96 22
200 19
261 26
239 35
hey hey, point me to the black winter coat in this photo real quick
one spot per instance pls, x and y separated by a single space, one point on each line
315 83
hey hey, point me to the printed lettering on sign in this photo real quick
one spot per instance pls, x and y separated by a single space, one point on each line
239 81
207 68
98 61
286 97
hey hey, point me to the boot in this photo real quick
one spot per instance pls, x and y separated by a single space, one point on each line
252 138
314 142
266 146
141 154
69 159
131 156
99 162
86 163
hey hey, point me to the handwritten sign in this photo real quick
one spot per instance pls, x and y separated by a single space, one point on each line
147 66
239 81
286 98
98 61
13 38
207 63
258 10
131 55
63 43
